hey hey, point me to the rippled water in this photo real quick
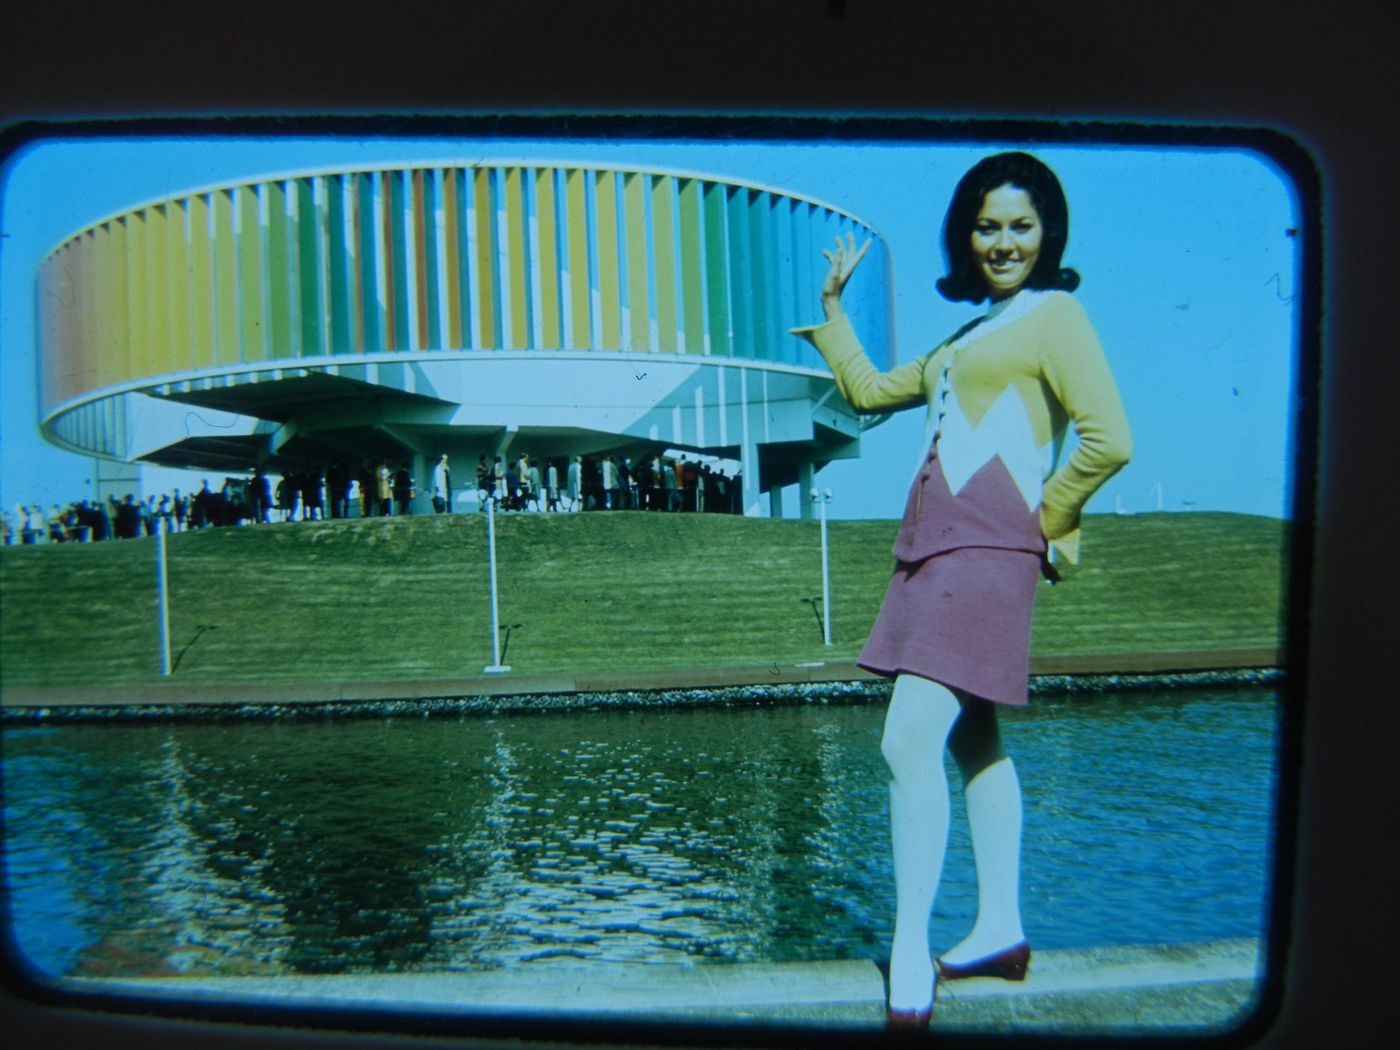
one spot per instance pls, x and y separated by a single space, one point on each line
660 835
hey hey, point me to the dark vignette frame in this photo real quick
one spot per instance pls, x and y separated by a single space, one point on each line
1291 158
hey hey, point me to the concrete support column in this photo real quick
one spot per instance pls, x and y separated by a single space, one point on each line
504 440
748 472
806 481
422 483
748 449
775 502
118 479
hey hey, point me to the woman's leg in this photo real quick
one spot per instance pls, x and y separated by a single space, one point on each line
920 716
993 795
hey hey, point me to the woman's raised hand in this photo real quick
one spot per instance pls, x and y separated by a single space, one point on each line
844 261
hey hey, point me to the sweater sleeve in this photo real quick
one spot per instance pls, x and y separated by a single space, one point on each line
1073 365
860 383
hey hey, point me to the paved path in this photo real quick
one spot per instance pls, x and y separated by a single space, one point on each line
1208 986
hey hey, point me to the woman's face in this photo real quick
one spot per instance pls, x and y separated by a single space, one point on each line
1006 240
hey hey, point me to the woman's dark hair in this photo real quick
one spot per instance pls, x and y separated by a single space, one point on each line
964 282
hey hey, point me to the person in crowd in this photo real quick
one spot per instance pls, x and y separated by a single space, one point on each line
224 505
384 489
587 483
575 483
692 480
199 506
312 487
551 486
683 495
502 489
404 488
260 497
671 484
511 498
532 472
627 484
641 483
33 526
93 515
527 492
657 497
485 481
230 508
369 489
127 518
286 497
978 531
103 528
442 487
88 518
608 479
338 481
179 505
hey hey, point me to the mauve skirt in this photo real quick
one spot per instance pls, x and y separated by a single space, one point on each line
962 618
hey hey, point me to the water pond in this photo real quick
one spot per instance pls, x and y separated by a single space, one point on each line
680 835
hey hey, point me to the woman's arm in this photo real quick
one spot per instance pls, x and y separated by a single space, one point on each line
860 383
865 387
1073 365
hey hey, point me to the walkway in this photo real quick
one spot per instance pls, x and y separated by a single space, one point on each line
1206 987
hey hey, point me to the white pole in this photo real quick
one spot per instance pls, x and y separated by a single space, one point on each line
163 598
826 570
496 666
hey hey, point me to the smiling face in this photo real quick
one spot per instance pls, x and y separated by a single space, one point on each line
1006 240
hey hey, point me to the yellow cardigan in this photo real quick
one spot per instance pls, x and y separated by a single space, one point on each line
1005 387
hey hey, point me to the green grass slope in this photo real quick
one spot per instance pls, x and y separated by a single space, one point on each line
385 599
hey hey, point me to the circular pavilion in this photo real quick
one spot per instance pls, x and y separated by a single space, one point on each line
401 312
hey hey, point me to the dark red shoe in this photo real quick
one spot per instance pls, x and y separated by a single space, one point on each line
1009 965
908 1020
911 1020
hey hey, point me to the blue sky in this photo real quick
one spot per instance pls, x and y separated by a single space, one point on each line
1188 275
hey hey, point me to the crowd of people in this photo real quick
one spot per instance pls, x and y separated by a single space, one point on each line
90 519
609 482
380 489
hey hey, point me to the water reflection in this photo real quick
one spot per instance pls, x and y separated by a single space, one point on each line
680 835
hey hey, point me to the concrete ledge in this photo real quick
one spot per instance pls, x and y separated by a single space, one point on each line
188 693
1210 986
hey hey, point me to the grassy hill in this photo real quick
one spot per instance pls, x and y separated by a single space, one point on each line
400 598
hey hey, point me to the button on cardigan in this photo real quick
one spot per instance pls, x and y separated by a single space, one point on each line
1000 395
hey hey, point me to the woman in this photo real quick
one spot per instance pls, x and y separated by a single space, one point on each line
987 514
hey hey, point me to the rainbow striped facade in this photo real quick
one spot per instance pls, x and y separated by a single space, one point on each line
322 269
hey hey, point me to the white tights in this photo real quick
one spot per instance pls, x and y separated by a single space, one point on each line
921 716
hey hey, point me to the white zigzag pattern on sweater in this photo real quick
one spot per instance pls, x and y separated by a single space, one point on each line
1004 431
